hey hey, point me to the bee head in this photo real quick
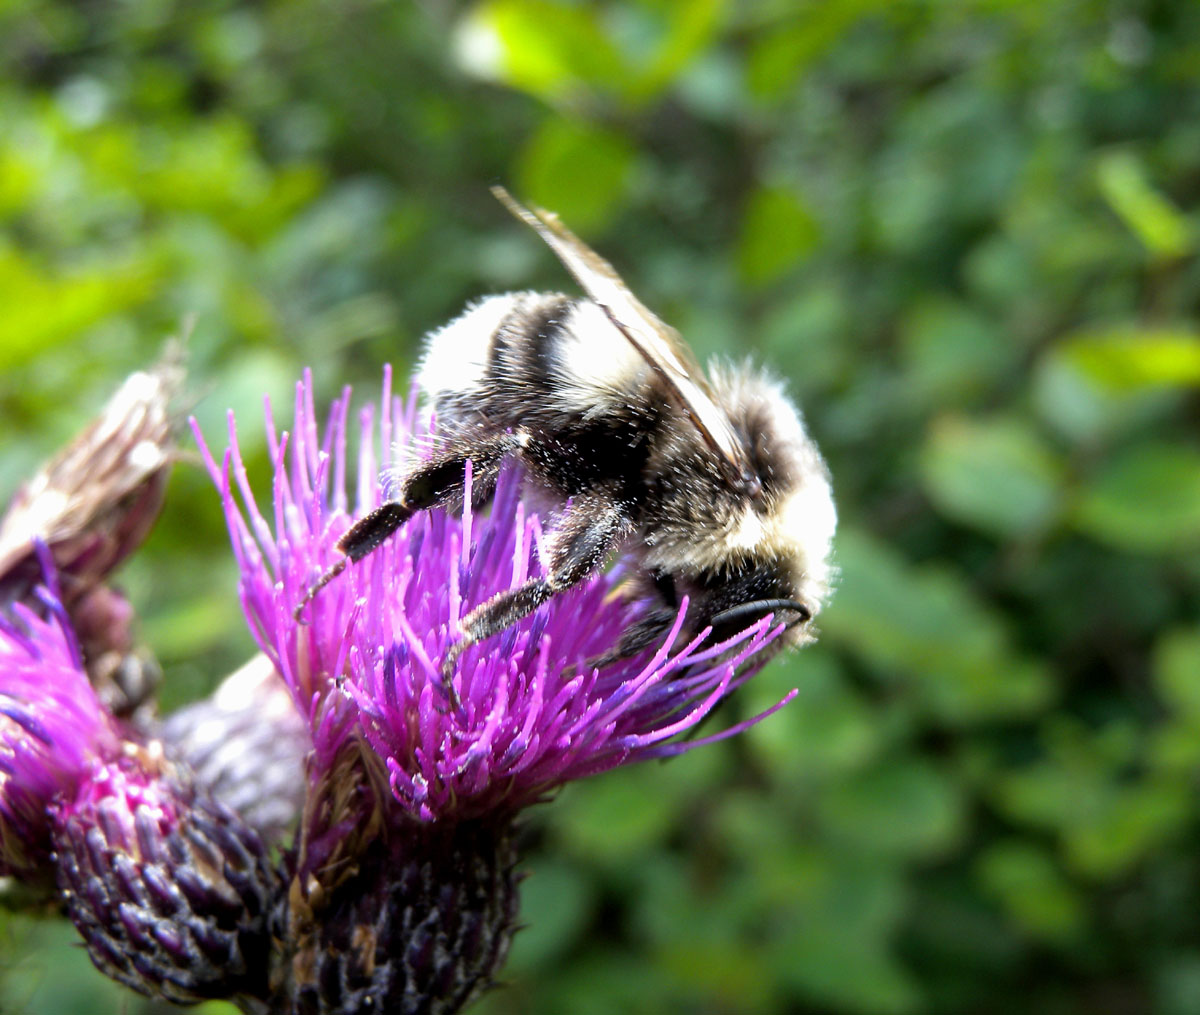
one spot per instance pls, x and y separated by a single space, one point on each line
787 514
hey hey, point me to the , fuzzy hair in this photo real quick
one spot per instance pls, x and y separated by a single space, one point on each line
796 517
456 355
592 372
589 414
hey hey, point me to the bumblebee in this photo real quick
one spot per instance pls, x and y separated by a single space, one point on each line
708 484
